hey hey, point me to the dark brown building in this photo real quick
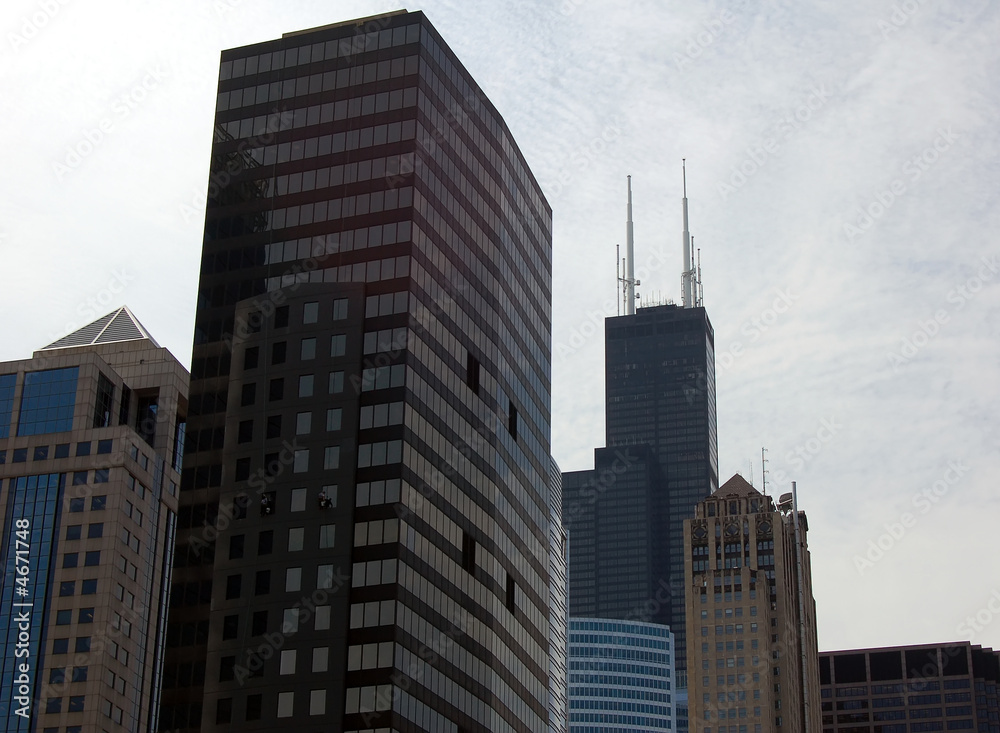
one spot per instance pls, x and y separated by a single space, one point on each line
365 503
910 689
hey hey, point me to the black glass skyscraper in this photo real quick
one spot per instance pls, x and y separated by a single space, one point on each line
365 512
625 518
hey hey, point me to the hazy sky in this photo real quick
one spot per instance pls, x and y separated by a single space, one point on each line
842 175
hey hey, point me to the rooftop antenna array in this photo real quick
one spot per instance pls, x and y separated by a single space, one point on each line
690 276
763 469
628 282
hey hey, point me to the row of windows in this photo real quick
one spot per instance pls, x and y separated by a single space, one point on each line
327 81
360 272
41 452
326 577
344 48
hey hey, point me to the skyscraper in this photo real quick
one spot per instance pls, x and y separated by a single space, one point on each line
365 516
91 439
625 517
751 618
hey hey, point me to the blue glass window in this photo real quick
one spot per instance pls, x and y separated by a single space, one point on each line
47 401
7 382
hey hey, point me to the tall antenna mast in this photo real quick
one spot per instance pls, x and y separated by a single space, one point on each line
688 275
763 469
630 282
700 292
618 275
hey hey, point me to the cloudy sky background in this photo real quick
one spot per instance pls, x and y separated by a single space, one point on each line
842 175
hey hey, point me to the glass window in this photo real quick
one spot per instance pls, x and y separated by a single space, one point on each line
333 418
326 536
101 475
48 399
298 500
67 588
76 505
285 704
104 446
293 580
303 423
92 558
73 531
331 457
336 382
300 462
95 530
83 449
40 453
88 587
287 662
308 349
338 345
290 620
317 702
7 383
60 646
82 644
80 478
76 703
64 617
306 385
320 658
340 309
296 536
71 559
310 312
97 503
62 450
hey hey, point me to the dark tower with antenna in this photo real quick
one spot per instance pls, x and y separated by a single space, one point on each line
625 517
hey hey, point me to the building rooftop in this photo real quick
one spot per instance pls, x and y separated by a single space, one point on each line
119 325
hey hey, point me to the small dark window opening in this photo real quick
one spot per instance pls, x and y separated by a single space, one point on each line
250 357
126 404
511 592
262 583
265 542
105 401
472 373
281 317
145 419
274 426
249 395
236 543
276 389
279 350
245 433
512 421
468 553
258 623
267 503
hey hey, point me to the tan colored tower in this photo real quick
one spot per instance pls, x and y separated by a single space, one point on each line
91 441
752 655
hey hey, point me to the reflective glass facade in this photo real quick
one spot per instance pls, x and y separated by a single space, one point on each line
621 677
370 401
7 383
47 401
29 542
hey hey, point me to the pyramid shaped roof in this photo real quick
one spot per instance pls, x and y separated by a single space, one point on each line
736 485
117 326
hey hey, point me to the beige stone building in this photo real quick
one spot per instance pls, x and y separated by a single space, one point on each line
752 653
91 441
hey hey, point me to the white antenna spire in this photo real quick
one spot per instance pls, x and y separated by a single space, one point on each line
630 282
688 299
